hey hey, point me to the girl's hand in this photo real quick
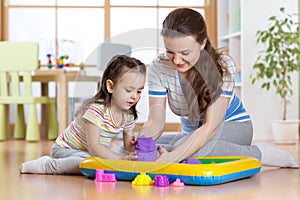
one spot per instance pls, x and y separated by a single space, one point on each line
164 155
133 142
129 156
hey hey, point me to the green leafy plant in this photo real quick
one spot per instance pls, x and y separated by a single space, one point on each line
276 63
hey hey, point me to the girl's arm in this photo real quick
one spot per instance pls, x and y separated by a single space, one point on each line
128 141
214 118
97 149
155 124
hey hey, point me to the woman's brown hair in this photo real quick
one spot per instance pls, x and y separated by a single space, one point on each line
206 78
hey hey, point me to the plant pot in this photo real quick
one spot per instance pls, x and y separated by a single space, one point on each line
285 131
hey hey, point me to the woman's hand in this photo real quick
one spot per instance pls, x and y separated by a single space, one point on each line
164 155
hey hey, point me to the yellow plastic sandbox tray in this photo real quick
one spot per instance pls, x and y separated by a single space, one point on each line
212 170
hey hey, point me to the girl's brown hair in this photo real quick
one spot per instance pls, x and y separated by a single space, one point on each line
118 65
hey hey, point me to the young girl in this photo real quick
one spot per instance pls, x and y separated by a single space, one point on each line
98 121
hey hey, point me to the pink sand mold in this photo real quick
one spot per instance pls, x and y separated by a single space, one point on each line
102 177
161 181
177 183
146 149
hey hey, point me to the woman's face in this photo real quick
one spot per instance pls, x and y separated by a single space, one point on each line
184 52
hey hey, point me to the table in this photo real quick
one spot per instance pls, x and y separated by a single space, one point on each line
62 77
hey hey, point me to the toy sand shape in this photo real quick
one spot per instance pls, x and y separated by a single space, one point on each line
146 149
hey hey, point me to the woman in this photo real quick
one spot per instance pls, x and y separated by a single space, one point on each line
198 82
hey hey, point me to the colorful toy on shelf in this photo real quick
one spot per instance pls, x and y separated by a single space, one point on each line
49 63
60 62
213 170
102 177
142 179
81 66
64 61
67 62
66 58
161 181
177 183
146 149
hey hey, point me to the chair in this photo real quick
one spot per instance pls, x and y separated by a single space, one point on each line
107 50
18 61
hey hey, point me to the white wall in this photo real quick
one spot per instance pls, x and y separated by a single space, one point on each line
263 106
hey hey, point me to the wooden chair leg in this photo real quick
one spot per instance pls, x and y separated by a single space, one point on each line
33 130
20 128
3 122
52 121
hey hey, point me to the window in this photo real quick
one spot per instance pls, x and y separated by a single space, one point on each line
76 27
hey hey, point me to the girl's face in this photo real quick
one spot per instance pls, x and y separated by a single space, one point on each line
184 52
127 91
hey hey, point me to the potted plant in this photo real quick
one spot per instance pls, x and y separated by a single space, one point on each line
275 65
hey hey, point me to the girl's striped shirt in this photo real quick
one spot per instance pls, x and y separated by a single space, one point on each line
98 114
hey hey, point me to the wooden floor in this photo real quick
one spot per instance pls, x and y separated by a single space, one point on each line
270 183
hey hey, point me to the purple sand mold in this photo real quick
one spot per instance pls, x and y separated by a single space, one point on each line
191 161
146 149
161 181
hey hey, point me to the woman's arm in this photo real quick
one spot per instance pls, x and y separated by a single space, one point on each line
97 149
214 118
155 124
